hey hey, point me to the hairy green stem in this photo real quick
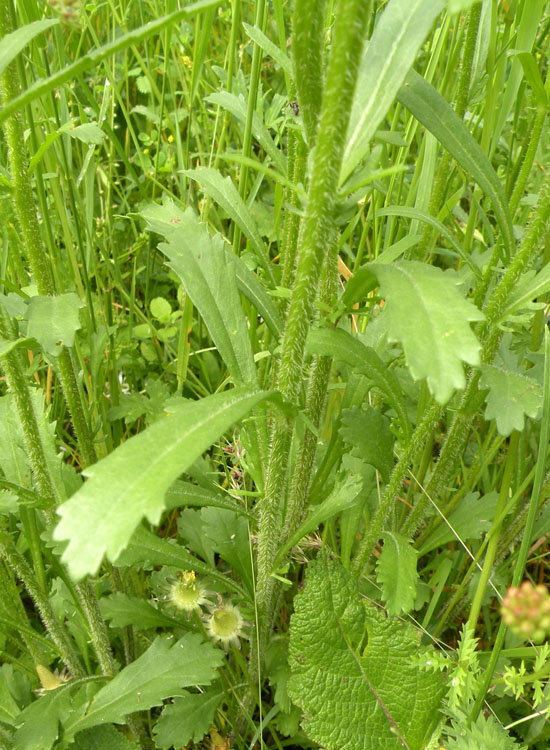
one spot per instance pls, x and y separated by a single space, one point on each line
12 605
17 384
348 34
376 526
315 401
528 160
307 57
23 570
489 334
291 228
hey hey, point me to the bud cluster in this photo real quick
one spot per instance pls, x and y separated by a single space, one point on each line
68 11
526 611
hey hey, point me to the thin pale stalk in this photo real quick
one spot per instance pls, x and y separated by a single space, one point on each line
493 545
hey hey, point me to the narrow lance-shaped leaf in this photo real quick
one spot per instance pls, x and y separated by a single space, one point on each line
271 49
130 483
236 105
342 497
414 213
430 318
225 194
255 293
431 109
12 44
524 38
387 59
200 261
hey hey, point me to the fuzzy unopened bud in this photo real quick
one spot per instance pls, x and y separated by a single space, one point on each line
526 611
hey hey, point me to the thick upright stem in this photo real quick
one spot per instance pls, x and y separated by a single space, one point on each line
23 570
348 34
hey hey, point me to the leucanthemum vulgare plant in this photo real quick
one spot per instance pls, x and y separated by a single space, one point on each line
275 397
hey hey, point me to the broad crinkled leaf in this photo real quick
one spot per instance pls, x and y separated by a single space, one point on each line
199 259
396 571
430 317
353 670
161 672
53 321
187 719
130 483
391 51
103 737
368 434
511 397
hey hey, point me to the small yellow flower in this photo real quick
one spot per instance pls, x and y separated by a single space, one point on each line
225 625
185 594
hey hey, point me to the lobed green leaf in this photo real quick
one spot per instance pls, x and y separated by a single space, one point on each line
430 318
396 572
161 672
510 399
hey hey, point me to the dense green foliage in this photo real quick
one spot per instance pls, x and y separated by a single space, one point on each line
275 395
